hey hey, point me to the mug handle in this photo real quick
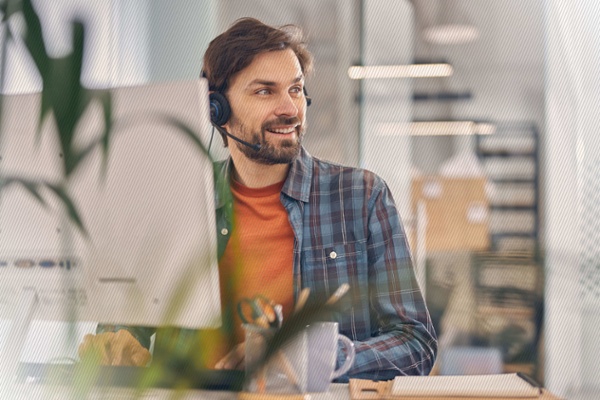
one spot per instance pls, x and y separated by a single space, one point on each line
350 353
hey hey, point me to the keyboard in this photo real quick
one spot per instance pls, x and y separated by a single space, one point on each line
128 377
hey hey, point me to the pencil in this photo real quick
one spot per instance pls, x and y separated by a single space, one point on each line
302 298
338 294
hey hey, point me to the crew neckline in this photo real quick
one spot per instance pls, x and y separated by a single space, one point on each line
256 192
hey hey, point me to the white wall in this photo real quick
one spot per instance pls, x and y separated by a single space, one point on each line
388 40
179 32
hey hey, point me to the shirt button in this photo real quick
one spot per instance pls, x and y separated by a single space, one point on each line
333 255
224 231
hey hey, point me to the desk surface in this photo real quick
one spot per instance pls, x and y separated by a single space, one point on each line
47 392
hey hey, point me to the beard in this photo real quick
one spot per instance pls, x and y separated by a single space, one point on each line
269 154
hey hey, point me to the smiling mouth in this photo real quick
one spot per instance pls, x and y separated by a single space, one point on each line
283 131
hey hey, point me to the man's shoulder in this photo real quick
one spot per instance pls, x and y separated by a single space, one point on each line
220 170
219 164
330 170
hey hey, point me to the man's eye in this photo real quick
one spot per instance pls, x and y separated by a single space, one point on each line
296 89
263 91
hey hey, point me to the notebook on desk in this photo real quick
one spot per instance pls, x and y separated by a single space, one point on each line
128 377
472 387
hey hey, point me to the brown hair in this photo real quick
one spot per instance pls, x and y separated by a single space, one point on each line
235 49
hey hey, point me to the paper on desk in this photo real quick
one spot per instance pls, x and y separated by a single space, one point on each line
502 385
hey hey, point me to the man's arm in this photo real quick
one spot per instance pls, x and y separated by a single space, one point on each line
403 339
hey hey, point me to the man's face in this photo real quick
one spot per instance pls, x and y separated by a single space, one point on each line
268 107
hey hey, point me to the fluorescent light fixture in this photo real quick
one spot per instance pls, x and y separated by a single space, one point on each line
400 71
486 128
435 128
451 34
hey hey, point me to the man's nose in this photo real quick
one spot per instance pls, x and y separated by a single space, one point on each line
286 106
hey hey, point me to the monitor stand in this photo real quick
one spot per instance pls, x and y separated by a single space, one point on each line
13 346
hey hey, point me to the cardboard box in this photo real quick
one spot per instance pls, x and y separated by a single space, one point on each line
457 212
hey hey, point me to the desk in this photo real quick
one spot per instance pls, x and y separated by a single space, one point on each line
336 391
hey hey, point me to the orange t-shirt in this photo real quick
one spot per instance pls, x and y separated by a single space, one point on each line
258 258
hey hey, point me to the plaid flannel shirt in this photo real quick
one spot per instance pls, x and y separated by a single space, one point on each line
347 230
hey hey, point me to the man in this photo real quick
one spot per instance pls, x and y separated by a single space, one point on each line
299 221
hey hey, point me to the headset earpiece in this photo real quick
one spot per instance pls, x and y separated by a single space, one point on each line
220 111
308 99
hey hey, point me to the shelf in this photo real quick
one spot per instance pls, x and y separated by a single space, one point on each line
513 180
505 154
519 207
526 368
509 279
514 234
510 159
517 312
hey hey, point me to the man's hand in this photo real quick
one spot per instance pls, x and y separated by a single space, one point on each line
234 359
115 348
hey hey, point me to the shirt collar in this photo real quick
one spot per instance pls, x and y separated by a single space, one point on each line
297 184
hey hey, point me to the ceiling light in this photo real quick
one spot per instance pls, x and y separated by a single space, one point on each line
435 128
400 71
486 128
452 25
451 34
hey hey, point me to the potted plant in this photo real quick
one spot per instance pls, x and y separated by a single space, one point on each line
64 98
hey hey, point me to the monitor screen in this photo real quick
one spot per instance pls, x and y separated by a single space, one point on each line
150 254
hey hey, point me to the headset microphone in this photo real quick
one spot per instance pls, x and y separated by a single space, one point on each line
255 147
220 111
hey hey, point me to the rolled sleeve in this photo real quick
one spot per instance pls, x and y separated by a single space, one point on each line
403 339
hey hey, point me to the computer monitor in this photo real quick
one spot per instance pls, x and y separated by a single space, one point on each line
150 255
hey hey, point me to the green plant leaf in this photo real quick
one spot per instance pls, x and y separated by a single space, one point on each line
185 129
3 52
71 209
34 39
8 8
106 100
120 126
68 98
31 186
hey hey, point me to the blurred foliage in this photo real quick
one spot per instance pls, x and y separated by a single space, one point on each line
63 96
65 99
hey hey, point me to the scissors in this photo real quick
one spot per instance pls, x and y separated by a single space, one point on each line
261 311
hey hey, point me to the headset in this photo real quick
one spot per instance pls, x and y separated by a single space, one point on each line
220 112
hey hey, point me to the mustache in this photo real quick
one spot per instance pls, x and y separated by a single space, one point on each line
281 121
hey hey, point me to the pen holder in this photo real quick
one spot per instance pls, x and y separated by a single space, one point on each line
284 372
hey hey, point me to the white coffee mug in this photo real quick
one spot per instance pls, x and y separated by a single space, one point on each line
286 372
322 342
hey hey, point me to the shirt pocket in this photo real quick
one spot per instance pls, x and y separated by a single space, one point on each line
327 267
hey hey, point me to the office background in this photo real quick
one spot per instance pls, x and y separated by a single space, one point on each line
526 69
